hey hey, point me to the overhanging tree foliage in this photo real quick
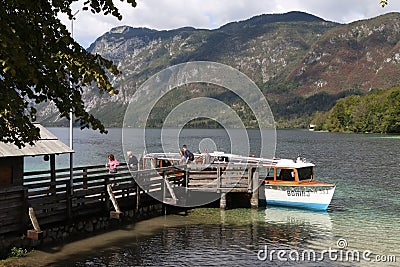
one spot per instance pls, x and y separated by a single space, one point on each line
40 62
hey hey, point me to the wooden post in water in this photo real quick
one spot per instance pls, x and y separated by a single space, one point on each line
219 180
254 194
222 201
164 205
137 198
250 179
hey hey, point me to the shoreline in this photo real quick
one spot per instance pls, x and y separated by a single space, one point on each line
79 248
83 245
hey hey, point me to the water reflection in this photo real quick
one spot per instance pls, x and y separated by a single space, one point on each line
203 237
215 237
298 227
320 221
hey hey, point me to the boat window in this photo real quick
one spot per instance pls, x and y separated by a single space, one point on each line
305 173
223 158
269 174
164 163
278 172
286 175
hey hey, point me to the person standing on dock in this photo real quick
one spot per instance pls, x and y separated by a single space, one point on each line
132 161
112 164
206 157
187 155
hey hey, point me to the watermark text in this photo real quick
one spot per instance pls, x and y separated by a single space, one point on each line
338 254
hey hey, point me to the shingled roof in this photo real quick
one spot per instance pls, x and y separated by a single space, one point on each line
48 144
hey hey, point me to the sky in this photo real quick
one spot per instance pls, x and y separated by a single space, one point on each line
211 14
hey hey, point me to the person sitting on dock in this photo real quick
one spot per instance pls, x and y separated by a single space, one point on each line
187 155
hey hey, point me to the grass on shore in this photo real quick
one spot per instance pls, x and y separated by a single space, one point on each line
14 253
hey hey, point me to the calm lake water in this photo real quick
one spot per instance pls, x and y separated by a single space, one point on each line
363 218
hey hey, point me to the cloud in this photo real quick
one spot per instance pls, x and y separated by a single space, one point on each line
211 14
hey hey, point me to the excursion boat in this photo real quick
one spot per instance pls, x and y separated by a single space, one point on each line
292 183
284 182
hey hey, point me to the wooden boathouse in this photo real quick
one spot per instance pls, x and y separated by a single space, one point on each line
13 193
47 206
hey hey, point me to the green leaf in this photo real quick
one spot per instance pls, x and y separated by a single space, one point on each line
39 62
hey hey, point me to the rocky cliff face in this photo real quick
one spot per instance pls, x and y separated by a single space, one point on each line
360 56
301 62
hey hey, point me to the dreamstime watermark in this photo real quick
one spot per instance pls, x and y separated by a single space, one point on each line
191 76
338 254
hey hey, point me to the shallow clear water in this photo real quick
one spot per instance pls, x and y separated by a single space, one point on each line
364 213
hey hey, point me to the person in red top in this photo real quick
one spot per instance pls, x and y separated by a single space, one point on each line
112 164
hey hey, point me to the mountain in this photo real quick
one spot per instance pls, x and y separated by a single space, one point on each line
302 63
363 55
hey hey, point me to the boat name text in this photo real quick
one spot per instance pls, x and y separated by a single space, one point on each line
296 193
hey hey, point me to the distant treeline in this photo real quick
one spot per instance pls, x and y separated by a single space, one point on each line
377 112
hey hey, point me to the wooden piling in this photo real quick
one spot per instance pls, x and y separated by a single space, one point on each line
250 179
219 180
255 187
222 201
137 198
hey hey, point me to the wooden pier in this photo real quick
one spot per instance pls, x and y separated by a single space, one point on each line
49 198
55 199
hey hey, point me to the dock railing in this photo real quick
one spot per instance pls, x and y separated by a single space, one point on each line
55 199
223 178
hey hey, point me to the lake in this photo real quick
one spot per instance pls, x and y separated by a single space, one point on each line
363 219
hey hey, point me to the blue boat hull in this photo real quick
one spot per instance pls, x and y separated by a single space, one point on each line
299 205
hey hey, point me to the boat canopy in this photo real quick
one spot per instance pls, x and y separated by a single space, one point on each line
288 163
220 157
